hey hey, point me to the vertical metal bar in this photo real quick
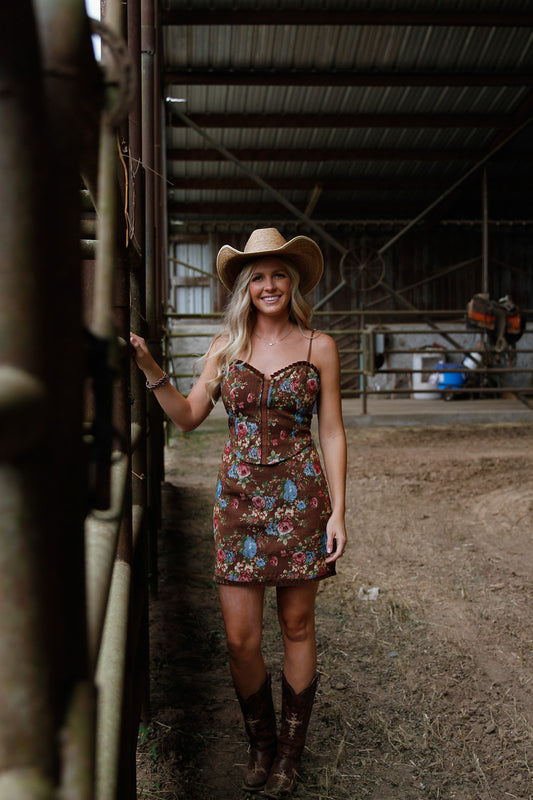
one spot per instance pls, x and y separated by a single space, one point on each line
485 248
110 681
111 316
364 339
148 80
155 442
68 59
125 764
138 409
42 631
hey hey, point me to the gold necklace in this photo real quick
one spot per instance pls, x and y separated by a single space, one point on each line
271 344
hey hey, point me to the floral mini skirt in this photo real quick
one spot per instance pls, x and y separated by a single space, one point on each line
270 520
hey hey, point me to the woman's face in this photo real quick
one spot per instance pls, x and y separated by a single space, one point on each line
270 287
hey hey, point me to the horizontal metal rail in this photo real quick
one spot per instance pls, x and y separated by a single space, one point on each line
361 354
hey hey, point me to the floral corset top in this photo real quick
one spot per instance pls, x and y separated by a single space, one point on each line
269 418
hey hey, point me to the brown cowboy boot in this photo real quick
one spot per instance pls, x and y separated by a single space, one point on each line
260 724
295 714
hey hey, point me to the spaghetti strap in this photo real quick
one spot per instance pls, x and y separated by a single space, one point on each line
310 346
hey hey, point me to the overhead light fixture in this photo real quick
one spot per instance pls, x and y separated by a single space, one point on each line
176 99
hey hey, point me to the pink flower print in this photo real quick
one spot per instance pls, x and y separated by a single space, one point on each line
274 561
316 467
221 556
245 577
285 526
215 521
299 558
251 397
243 470
295 385
242 429
241 405
314 502
274 442
283 434
232 395
258 502
311 385
235 503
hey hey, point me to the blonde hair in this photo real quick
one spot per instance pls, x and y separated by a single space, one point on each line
239 320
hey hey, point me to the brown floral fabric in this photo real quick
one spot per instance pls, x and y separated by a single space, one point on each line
272 501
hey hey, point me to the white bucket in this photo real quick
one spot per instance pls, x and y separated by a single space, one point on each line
424 375
473 360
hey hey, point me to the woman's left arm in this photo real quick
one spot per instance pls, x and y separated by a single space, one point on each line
332 441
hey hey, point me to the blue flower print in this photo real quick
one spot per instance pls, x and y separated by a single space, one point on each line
232 472
252 428
308 469
260 562
285 386
300 416
323 549
272 528
219 489
301 505
253 452
250 548
270 502
291 492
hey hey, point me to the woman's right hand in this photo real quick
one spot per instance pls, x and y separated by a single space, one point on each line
143 357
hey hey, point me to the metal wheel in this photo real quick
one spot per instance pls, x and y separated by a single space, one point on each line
362 270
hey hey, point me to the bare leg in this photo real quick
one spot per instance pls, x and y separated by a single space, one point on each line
296 614
242 609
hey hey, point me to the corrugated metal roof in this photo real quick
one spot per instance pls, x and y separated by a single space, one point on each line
225 71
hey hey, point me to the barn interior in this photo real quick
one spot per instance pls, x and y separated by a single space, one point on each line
397 135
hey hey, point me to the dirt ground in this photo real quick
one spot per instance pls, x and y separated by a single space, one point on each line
425 637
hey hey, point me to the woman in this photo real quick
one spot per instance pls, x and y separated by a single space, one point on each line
275 522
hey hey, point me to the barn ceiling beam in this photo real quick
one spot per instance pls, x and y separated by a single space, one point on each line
333 78
509 17
330 154
333 212
272 211
355 183
244 121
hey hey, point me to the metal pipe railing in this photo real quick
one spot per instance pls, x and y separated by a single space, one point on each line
362 354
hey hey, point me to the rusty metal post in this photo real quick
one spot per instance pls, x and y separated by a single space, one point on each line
70 83
155 417
115 776
142 571
42 620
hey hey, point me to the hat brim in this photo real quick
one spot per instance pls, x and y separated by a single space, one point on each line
302 251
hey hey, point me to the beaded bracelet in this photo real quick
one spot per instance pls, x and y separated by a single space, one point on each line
161 382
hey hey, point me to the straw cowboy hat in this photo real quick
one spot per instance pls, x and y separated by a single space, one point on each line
304 254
